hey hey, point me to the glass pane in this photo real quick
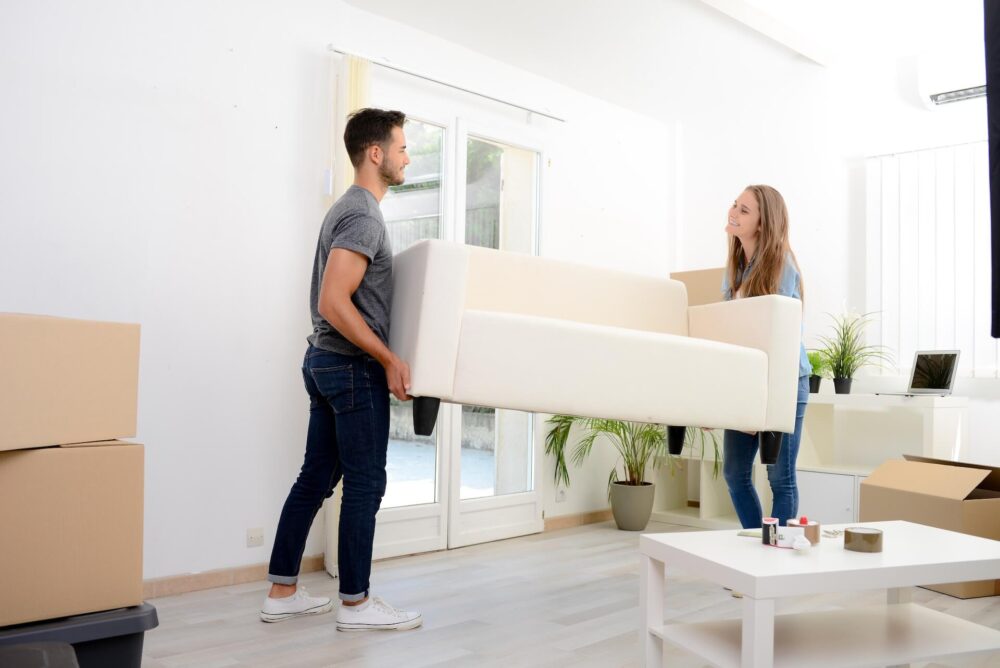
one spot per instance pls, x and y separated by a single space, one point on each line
411 463
412 211
482 193
500 188
478 450
496 452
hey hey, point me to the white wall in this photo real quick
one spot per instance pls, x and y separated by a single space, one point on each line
882 114
746 109
600 205
164 163
751 111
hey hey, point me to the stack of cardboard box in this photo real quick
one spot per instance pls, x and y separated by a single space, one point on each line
71 495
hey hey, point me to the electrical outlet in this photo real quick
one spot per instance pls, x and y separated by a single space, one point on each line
255 537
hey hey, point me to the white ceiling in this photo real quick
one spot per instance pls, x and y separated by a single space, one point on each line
632 52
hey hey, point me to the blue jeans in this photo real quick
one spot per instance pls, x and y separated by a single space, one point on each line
347 439
739 450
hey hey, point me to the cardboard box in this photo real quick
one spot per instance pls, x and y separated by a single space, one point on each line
704 286
70 530
939 493
66 381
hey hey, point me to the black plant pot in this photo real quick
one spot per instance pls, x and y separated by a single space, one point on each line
770 446
814 382
425 414
842 385
675 439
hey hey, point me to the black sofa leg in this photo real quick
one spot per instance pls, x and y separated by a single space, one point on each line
675 439
770 446
425 415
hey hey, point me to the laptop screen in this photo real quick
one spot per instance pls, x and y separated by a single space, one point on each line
933 371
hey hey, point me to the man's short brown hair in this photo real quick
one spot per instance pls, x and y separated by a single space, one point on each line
367 127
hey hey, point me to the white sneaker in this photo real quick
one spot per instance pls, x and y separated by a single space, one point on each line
298 604
376 615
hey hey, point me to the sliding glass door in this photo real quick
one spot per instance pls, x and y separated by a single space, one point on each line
473 479
494 470
412 518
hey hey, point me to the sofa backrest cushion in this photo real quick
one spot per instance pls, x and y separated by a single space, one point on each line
527 285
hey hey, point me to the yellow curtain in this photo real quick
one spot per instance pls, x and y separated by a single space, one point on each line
353 90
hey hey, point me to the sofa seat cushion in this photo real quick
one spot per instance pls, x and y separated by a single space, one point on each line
548 365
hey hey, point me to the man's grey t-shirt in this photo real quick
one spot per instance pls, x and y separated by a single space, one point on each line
355 222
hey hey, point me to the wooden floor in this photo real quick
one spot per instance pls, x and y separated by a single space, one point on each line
562 598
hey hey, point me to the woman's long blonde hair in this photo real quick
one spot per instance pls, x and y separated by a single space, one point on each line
772 248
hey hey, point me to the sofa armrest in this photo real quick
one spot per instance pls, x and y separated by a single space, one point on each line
772 324
429 282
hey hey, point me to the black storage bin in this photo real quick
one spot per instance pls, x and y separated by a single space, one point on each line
100 639
38 655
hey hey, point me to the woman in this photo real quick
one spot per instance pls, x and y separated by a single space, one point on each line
761 262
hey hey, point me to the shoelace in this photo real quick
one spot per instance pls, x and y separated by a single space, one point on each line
386 608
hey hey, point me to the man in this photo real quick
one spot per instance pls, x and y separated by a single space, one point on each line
349 372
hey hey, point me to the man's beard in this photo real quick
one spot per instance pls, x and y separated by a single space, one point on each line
390 175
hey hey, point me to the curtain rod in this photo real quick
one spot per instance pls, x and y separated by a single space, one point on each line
397 68
927 148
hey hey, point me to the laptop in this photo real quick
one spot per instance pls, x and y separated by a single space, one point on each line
933 373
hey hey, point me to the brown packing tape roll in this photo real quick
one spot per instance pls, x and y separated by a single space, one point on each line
863 539
812 530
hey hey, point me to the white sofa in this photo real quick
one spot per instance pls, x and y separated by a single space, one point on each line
508 330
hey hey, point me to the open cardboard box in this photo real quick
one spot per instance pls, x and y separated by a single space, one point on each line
950 495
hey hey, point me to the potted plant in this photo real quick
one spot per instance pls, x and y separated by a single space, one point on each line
845 352
638 445
819 370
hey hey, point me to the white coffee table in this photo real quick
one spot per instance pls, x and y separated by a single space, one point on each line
886 635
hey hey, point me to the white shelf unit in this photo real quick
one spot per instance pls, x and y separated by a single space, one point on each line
817 639
857 432
844 438
692 496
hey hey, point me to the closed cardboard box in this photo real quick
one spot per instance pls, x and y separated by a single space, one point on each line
939 493
70 530
66 381
704 286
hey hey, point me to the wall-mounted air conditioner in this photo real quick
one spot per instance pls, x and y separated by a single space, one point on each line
948 75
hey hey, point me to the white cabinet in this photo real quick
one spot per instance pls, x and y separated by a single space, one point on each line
828 498
858 479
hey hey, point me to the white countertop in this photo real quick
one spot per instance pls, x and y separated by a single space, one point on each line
888 400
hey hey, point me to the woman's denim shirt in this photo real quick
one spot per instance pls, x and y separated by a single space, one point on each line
789 287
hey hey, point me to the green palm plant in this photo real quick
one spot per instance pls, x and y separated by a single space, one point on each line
637 444
845 352
819 363
699 438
